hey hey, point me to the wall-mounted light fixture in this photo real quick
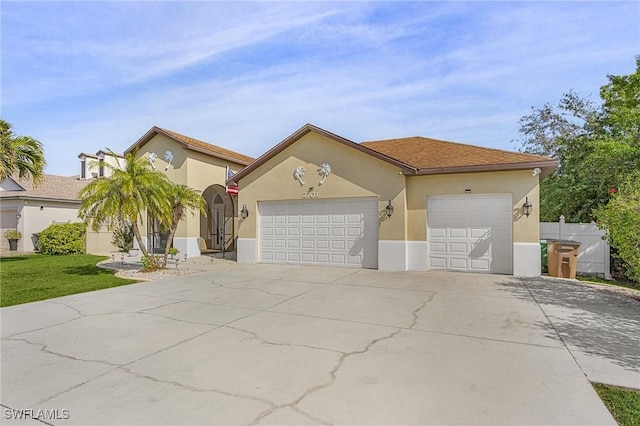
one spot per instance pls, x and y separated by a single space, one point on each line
41 208
244 213
536 171
18 215
527 207
389 209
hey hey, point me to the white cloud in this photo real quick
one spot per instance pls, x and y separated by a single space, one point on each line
456 71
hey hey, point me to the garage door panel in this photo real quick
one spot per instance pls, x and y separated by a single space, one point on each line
471 233
457 263
322 244
458 248
295 244
338 232
479 232
438 247
293 232
331 232
438 233
338 245
458 233
293 257
437 262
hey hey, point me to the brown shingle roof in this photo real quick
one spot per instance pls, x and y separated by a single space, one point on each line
420 156
437 156
52 188
192 144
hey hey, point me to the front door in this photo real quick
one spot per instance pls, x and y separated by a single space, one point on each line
217 223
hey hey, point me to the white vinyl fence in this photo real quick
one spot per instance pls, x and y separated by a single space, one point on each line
595 254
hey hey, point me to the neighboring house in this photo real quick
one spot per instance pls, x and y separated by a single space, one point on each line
30 209
203 167
93 166
401 204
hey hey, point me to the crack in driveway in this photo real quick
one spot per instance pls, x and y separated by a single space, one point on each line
44 348
195 388
334 372
267 342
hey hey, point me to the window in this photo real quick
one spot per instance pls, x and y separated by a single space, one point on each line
83 169
101 168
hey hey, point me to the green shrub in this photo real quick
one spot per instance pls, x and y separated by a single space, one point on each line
123 237
12 234
150 263
620 217
63 238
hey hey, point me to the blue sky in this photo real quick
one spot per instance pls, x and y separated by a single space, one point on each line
83 76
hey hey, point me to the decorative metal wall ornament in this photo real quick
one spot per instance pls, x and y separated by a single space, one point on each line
324 171
152 160
168 157
298 174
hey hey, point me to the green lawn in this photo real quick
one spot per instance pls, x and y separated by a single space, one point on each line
598 280
624 404
37 277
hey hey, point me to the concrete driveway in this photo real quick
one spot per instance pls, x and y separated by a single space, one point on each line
269 344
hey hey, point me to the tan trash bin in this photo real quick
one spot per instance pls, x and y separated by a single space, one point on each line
562 258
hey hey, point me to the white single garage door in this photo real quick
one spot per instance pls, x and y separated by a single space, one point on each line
470 233
336 232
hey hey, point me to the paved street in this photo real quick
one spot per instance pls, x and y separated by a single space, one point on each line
270 344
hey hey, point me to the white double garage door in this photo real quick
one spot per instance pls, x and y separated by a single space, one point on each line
337 232
466 233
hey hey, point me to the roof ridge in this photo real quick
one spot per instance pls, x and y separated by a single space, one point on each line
194 144
462 144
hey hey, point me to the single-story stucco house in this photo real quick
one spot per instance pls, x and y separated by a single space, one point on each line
205 168
400 204
30 209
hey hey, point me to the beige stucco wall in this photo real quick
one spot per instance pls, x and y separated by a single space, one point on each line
92 165
191 168
353 174
33 219
99 242
519 184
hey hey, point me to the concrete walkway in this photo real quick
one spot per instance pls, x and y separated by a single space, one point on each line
269 344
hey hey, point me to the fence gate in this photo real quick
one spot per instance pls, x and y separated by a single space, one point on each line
595 254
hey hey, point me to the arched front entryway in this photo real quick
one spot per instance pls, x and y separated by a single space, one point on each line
217 228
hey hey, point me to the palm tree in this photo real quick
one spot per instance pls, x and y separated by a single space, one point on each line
131 190
183 199
22 154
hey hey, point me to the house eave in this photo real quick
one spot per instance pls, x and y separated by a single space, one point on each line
32 198
546 167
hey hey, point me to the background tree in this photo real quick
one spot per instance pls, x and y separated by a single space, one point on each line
182 199
21 154
621 217
599 151
130 191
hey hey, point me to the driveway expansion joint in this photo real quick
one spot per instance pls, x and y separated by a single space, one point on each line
564 343
251 288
